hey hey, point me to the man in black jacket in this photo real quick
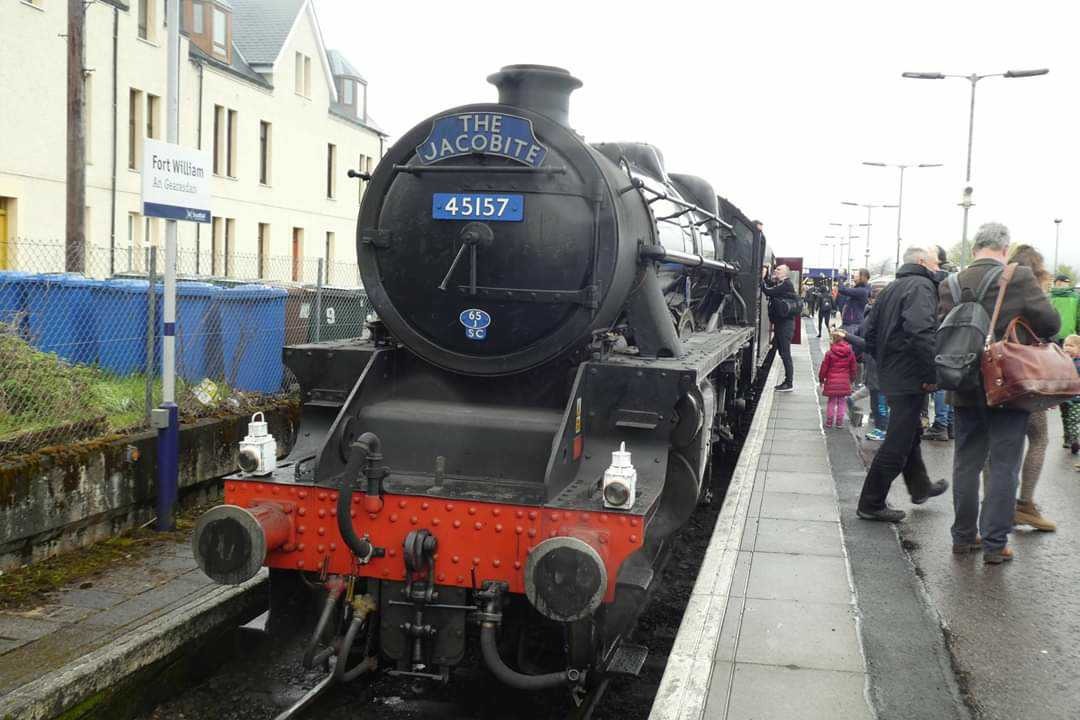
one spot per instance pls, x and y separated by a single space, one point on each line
783 312
900 336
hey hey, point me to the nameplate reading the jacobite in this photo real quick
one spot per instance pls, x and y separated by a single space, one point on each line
483 133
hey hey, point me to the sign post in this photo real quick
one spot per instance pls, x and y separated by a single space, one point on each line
175 186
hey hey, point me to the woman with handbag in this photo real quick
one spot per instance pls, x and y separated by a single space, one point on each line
1027 512
987 428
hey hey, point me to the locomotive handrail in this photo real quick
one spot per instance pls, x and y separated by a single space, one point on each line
690 207
499 169
663 254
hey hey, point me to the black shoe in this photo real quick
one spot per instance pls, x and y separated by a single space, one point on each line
785 386
936 433
886 514
936 488
951 432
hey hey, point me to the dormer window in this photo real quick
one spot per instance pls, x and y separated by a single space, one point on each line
198 19
348 92
220 33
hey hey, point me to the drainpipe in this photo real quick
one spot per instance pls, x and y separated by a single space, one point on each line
115 90
198 144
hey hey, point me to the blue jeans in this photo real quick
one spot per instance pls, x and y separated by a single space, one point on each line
943 412
981 433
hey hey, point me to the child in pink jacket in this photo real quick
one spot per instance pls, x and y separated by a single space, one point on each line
837 371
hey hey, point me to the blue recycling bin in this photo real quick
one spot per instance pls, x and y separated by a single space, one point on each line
198 331
252 335
120 310
60 317
13 284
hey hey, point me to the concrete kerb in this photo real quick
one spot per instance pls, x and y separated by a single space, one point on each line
684 687
108 666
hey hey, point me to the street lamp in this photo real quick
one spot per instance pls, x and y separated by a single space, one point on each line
869 209
973 79
1057 239
900 198
832 263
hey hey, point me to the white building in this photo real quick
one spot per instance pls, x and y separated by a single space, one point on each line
284 119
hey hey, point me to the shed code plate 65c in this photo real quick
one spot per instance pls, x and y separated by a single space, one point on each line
477 206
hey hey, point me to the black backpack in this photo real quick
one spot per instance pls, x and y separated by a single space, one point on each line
960 340
783 307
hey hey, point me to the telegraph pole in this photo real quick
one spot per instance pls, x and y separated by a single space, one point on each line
75 216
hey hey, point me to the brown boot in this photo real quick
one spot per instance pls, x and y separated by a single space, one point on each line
1027 513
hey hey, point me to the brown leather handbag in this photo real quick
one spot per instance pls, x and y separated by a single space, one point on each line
1025 377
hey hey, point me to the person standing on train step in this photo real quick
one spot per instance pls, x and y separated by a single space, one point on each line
900 336
783 312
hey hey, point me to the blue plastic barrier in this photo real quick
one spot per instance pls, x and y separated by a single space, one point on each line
60 316
120 308
252 335
13 284
198 331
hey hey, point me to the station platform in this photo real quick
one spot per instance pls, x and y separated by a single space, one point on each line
88 638
772 628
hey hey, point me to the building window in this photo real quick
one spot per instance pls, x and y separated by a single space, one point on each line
219 138
135 244
153 117
347 86
146 20
135 121
331 170
307 76
264 152
220 33
263 249
222 234
198 18
361 105
230 150
303 75
331 239
297 254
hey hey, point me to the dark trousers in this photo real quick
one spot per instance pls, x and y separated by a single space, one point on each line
783 331
999 435
824 316
899 454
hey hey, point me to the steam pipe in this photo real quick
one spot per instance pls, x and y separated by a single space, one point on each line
366 451
334 587
503 672
663 254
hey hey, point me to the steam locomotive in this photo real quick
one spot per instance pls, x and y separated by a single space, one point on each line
566 337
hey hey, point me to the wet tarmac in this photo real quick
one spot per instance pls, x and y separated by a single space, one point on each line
1012 632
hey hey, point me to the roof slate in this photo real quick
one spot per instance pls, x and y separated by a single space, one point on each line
260 27
237 67
340 65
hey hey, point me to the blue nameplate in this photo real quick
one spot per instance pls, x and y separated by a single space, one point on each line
484 133
477 206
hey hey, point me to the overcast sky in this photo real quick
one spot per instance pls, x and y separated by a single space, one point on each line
775 103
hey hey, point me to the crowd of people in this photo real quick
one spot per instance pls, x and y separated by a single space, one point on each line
887 340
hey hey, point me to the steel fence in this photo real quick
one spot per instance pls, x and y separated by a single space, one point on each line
80 354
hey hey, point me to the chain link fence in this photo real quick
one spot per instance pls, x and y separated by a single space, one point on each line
80 354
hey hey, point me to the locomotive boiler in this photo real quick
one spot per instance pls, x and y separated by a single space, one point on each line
565 337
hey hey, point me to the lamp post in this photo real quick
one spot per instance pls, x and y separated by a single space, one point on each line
1057 240
869 210
973 79
832 264
900 196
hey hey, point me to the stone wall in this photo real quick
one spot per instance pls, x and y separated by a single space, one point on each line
62 498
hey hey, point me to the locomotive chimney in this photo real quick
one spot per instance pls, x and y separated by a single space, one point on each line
540 88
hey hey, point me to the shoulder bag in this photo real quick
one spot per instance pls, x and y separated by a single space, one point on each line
1024 377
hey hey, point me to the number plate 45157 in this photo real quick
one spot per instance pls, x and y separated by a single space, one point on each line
477 206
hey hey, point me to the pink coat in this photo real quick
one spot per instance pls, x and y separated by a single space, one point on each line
838 370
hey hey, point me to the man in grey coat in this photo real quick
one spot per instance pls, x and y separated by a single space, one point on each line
981 431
